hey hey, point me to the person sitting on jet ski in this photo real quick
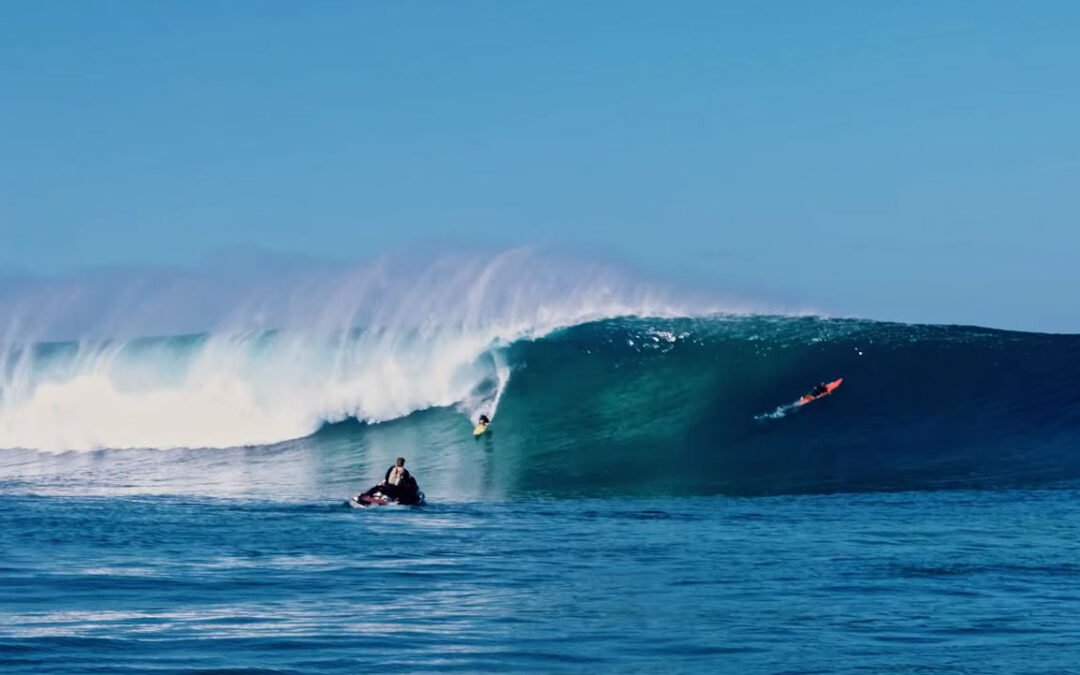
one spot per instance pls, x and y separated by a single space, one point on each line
396 475
820 389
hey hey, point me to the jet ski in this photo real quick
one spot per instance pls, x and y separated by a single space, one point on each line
406 494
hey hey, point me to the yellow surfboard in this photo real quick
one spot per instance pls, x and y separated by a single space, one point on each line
479 429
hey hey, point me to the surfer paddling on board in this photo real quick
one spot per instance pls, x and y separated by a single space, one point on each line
819 391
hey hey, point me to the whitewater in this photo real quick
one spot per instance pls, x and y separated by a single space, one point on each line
284 355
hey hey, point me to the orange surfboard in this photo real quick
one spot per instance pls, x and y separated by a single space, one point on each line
829 388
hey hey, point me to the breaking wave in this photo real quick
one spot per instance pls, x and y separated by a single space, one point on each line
287 352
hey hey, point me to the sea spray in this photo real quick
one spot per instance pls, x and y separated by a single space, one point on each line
276 357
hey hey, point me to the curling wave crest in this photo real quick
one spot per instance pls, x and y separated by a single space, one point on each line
270 354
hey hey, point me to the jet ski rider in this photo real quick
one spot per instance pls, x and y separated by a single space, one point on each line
397 478
397 474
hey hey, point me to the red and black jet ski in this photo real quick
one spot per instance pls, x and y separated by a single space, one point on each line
406 494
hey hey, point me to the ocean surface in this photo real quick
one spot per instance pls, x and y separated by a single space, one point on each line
648 497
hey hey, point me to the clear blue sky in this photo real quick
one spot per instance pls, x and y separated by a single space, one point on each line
908 160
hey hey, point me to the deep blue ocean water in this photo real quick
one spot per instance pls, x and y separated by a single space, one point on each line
927 582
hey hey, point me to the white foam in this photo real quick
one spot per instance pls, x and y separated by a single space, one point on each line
374 341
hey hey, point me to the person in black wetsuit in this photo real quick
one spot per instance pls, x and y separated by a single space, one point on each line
820 389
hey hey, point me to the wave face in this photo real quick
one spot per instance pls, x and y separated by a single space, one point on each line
689 406
659 406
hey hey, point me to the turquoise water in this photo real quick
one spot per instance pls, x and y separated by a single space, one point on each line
924 582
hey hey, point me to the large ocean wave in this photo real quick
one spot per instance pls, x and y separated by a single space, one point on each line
276 356
615 406
678 406
596 383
